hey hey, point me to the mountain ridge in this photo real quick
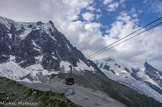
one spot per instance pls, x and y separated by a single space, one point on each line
36 52
39 44
134 75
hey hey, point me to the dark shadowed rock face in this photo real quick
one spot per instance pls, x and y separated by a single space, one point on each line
153 73
39 42
4 44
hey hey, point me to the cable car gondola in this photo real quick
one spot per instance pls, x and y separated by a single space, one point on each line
70 80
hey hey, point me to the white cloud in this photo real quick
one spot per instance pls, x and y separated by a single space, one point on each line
88 16
159 7
156 6
113 6
124 17
145 47
132 10
86 36
34 10
107 1
98 16
135 15
122 1
91 8
98 10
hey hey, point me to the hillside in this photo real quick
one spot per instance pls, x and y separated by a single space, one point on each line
13 93
115 90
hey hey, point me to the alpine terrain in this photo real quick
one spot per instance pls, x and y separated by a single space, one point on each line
142 77
37 55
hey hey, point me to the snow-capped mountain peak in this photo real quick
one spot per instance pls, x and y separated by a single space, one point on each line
37 47
139 76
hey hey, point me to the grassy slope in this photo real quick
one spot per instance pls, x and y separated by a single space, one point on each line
17 93
122 93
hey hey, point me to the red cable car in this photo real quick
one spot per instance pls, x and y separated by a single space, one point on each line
70 80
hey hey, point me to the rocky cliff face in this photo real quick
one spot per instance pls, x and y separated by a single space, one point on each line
153 73
26 41
39 47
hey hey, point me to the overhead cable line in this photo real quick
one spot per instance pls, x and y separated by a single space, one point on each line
108 47
124 37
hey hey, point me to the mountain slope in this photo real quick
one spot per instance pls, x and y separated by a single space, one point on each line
116 90
15 94
36 52
37 47
141 77
86 97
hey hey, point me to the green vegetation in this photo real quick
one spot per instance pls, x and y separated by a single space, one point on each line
19 95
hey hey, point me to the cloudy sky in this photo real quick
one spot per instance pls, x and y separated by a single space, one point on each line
93 24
